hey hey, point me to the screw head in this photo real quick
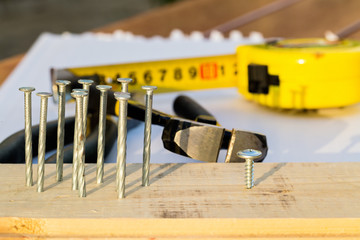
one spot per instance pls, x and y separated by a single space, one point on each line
149 89
79 94
27 89
122 95
124 80
86 81
62 82
103 88
249 154
44 94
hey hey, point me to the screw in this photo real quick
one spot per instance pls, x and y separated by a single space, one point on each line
42 138
102 127
76 163
61 128
28 135
86 85
124 84
123 98
147 134
249 155
80 147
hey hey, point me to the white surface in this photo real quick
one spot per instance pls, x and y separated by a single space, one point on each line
323 136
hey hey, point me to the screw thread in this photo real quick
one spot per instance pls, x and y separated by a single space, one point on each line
60 135
41 147
101 138
80 147
85 109
249 173
147 140
75 168
121 148
28 140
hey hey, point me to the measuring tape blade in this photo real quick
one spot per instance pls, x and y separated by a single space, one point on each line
167 75
288 74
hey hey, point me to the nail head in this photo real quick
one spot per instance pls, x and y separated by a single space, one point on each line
124 80
62 82
80 90
44 94
27 89
122 95
79 94
85 81
103 88
149 88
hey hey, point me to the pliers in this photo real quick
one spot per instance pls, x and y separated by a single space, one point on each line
12 149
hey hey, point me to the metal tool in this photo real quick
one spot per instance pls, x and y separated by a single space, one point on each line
188 108
193 139
61 128
79 96
249 155
204 142
147 134
122 98
42 138
102 127
28 135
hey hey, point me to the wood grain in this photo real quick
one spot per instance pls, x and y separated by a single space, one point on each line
289 199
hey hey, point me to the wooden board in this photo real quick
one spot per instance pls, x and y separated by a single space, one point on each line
188 200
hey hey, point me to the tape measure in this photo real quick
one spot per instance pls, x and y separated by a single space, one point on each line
290 74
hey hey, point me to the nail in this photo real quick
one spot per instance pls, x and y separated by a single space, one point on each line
28 135
86 85
42 139
124 84
249 155
102 128
79 97
76 162
147 134
121 143
61 128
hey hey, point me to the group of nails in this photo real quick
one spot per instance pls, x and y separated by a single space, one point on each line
81 97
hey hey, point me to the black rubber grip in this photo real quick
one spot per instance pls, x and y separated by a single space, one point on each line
136 110
92 142
12 149
186 107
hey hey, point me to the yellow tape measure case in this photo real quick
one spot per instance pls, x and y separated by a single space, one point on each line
300 73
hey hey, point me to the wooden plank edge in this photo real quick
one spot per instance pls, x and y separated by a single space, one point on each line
186 228
8 65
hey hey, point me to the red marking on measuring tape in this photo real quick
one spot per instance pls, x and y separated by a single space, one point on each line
208 71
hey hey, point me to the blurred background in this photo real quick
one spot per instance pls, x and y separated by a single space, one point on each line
21 21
